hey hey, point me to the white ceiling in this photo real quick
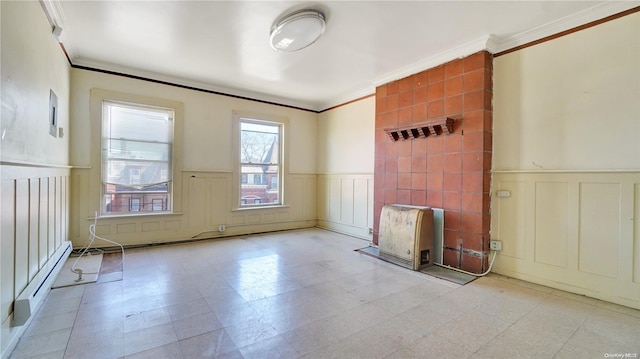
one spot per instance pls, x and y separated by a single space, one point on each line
224 45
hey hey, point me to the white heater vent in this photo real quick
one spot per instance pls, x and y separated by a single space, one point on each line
406 236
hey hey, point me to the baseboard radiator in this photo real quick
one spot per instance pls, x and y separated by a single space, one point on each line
406 236
32 296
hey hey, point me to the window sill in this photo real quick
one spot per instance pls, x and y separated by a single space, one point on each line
129 215
240 209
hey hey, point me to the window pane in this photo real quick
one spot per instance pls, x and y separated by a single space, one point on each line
146 173
130 149
139 123
136 158
258 191
259 143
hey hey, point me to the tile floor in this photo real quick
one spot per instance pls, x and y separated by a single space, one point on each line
307 294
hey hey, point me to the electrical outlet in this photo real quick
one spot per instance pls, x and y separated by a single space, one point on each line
495 245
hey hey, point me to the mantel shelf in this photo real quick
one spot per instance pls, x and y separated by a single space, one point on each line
423 129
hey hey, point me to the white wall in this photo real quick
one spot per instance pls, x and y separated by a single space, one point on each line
567 146
345 166
35 175
207 192
570 103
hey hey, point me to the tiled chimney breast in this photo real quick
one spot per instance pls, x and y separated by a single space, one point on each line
450 170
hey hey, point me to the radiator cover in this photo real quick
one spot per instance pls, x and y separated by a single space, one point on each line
405 236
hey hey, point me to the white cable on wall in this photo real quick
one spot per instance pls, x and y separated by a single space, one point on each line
92 238
469 273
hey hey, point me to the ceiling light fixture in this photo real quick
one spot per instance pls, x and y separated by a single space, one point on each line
297 30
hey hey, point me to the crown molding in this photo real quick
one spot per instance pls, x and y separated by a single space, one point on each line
583 17
349 97
457 52
136 73
55 15
488 42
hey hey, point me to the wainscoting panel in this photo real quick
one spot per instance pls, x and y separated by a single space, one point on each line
345 203
599 228
512 228
551 234
576 231
8 231
207 203
636 233
34 224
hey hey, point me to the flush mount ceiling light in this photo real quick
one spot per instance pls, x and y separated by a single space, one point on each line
297 30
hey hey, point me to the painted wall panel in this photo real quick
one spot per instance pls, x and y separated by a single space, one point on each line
346 199
335 199
34 218
597 214
44 221
8 246
150 226
599 228
51 216
311 194
220 200
361 199
345 203
197 200
296 196
551 236
322 198
512 230
21 234
636 232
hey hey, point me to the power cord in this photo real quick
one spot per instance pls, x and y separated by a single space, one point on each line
473 274
85 250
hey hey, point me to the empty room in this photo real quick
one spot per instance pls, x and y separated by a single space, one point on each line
330 179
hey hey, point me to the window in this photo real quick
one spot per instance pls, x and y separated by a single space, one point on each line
260 162
134 204
137 143
157 204
257 179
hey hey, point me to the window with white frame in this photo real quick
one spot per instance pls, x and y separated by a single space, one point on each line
260 161
137 151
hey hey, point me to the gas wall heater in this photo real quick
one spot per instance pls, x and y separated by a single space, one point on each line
406 236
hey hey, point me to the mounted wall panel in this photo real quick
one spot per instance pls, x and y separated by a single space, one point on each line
636 233
599 228
581 232
512 230
345 203
551 236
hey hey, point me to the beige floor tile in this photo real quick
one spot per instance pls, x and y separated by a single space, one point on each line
308 293
42 344
168 351
208 345
249 333
149 338
147 319
196 325
433 346
272 348
48 324
309 338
